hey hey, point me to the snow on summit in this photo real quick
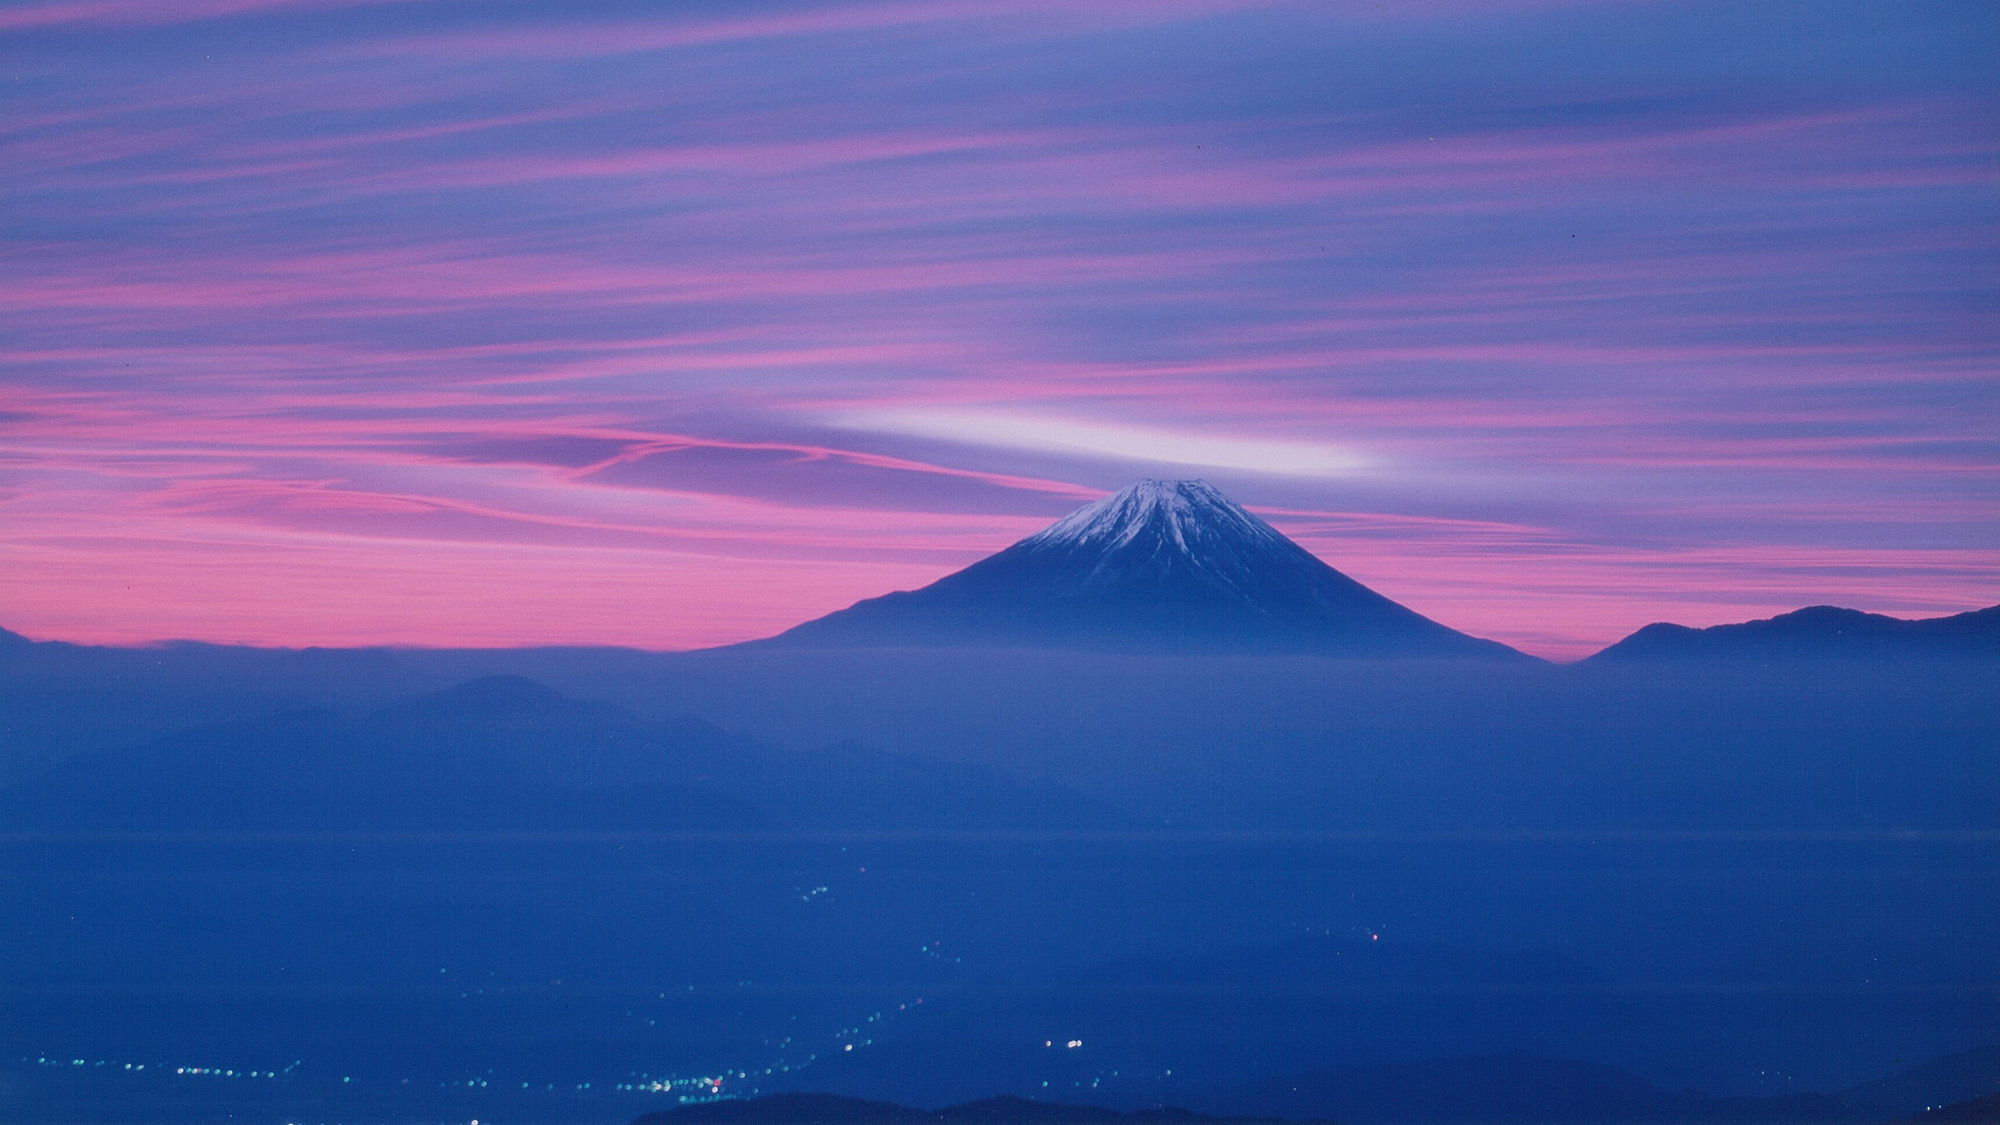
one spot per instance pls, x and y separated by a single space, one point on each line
1160 565
1163 526
1183 508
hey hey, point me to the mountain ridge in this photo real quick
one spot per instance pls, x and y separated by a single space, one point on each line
507 753
1519 1088
835 1109
1818 630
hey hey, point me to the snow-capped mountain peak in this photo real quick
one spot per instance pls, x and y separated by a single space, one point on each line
1175 538
1169 564
1184 510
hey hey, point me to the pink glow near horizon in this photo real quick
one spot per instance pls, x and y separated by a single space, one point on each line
255 583
345 322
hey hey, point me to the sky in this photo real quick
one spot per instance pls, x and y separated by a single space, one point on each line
338 322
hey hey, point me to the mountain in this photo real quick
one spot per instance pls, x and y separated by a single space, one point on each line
1517 1088
1983 1110
1161 565
1820 631
829 1109
505 753
59 699
1964 1077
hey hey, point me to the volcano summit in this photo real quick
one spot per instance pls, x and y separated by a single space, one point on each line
1159 566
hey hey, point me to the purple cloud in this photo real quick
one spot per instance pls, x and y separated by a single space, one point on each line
1546 318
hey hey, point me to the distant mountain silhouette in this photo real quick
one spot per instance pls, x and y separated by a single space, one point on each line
1967 1076
1820 631
1516 1088
1984 1110
1161 565
505 753
830 1109
496 698
1520 1088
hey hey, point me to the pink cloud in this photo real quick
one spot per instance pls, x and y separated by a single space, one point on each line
604 39
514 295
145 12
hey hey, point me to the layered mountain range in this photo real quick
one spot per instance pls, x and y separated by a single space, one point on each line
503 753
1092 820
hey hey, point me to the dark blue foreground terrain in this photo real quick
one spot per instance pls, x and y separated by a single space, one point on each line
1153 808
298 886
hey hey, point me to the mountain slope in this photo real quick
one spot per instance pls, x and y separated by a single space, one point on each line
1820 631
1516 1088
1522 1087
1965 1076
1161 565
505 753
830 1109
1982 1110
